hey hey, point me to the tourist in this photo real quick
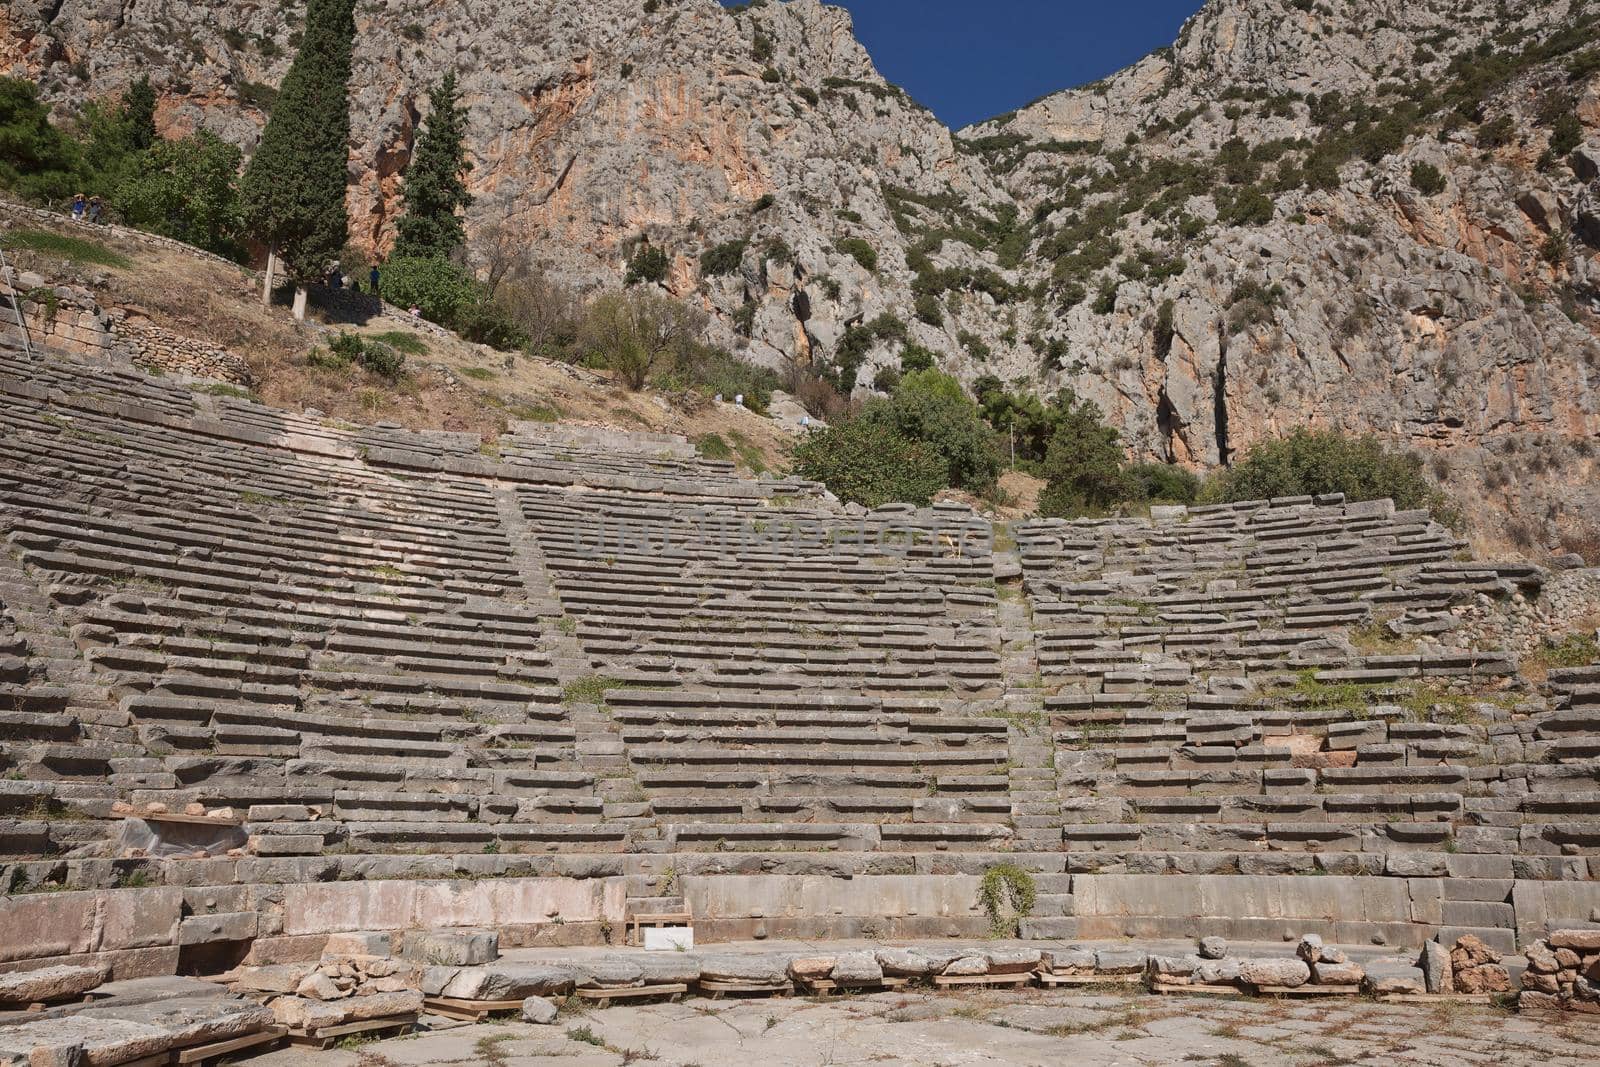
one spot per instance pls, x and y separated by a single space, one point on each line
97 209
372 276
80 204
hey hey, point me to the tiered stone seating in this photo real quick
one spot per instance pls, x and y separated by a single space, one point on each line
585 654
1241 688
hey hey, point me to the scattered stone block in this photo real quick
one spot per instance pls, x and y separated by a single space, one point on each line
1394 976
1436 968
812 968
1275 972
452 948
538 1010
754 969
967 967
1119 961
1342 973
1213 948
508 981
49 983
1013 961
858 967
904 963
1580 940
606 974
368 943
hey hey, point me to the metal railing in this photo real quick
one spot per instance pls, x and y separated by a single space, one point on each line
13 280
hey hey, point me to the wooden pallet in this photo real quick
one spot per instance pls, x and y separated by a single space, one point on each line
327 1036
719 989
1158 986
946 981
824 986
1308 990
472 1011
604 997
259 1041
1047 980
1437 998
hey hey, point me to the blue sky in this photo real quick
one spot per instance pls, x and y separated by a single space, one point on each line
973 59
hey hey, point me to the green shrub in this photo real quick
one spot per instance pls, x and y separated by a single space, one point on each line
725 258
1426 179
866 462
639 335
858 340
914 358
712 446
403 341
1498 133
771 76
1083 463
1316 462
710 371
439 288
187 190
649 264
860 251
1162 483
1248 207
932 409
929 310
1566 134
367 353
1007 895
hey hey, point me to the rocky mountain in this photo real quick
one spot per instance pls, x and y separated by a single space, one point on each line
1347 213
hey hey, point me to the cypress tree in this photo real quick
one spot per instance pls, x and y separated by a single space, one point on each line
139 114
435 187
293 192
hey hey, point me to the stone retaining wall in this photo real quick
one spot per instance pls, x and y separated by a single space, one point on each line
155 348
139 932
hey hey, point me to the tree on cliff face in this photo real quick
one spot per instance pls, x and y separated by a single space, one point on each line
294 189
435 189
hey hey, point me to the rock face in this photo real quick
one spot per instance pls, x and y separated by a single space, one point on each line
1207 244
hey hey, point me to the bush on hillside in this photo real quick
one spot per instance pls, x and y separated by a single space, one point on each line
369 354
1426 179
864 461
649 264
712 371
638 334
931 409
1315 462
1083 464
1162 483
860 251
722 259
440 289
186 189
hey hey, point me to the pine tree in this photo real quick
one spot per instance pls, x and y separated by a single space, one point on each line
294 190
435 186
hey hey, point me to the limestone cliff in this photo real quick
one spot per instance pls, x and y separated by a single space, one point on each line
1230 238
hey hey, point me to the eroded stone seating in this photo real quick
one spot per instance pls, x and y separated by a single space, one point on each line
401 657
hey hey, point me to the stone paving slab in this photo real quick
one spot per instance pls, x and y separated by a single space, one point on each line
1017 1028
